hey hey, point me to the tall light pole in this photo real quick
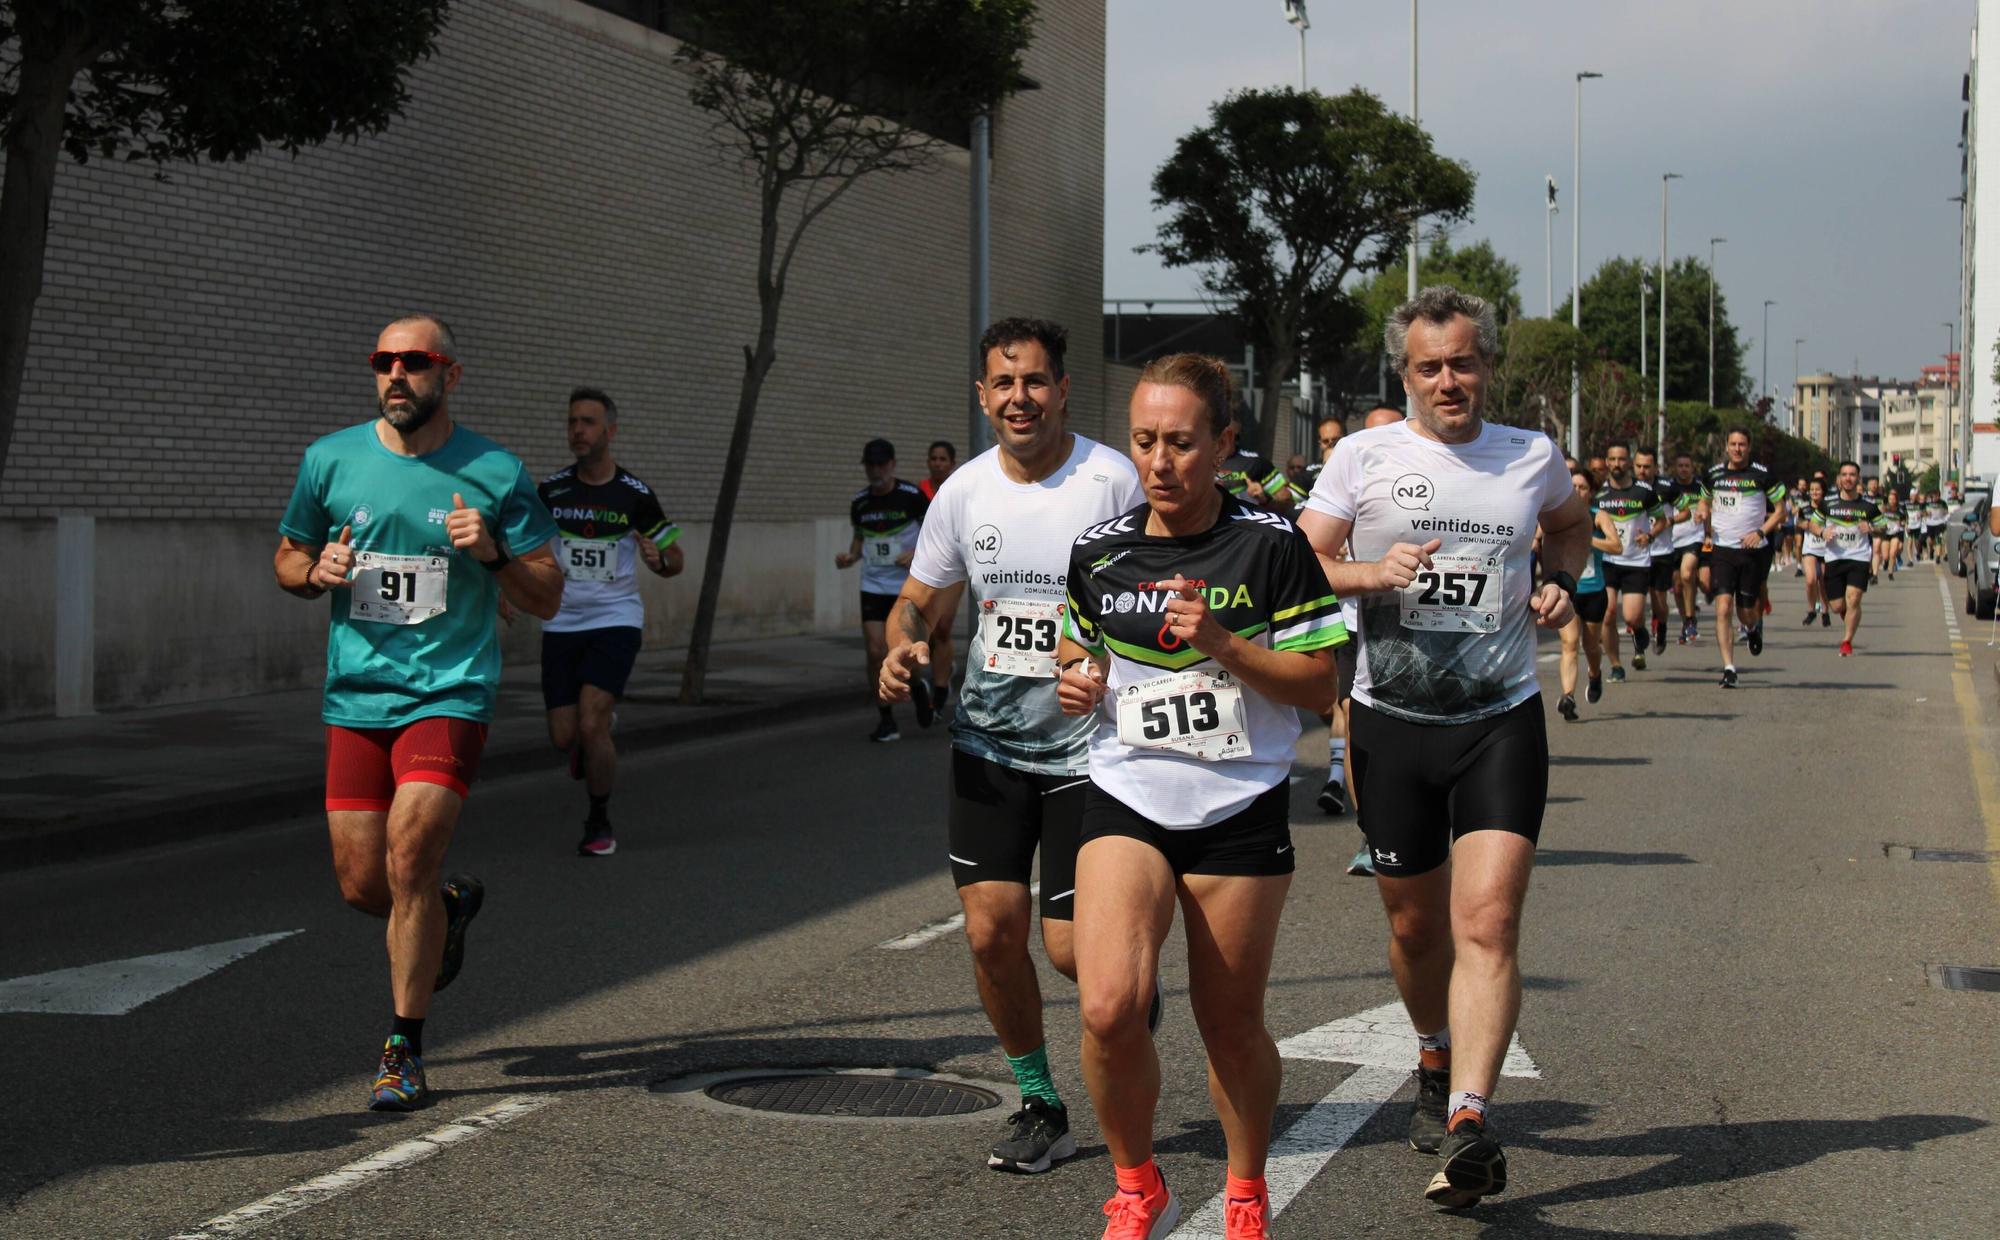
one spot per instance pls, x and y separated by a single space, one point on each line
1576 262
1660 438
1295 13
1764 367
1712 243
1797 420
1645 292
1549 252
1944 423
1414 224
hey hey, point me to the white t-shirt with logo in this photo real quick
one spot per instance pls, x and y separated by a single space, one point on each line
1010 543
1459 643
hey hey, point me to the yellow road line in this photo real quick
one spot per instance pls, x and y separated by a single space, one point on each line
1985 770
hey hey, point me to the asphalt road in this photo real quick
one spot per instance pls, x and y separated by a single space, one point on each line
1728 997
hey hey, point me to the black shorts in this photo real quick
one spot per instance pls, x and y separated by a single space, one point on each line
1592 606
1840 575
1000 816
875 608
600 657
1704 556
1422 786
1739 572
1628 578
1663 571
1254 842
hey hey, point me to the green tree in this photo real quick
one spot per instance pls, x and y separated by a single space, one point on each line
1611 320
1478 269
1282 196
811 96
1698 430
173 80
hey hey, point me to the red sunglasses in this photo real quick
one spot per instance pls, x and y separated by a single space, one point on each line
414 360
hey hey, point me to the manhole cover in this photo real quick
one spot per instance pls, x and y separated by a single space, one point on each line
853 1095
1966 977
1906 852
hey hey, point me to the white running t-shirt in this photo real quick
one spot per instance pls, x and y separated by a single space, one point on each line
1459 643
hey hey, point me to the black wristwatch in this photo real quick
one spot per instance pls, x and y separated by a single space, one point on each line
499 562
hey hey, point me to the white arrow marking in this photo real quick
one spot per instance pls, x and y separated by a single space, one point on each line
115 987
1380 1040
935 931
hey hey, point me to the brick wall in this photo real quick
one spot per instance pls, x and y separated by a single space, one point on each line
550 191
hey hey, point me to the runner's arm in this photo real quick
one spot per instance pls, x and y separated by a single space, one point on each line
1607 534
533 582
1566 537
919 609
1077 688
1349 578
851 556
293 565
1777 518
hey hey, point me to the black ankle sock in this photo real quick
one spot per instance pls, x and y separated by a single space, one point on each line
410 1027
888 716
598 809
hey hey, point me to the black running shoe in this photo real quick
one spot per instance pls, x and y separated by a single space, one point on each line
1638 656
1729 678
1427 1112
1659 637
920 700
1799 572
1757 639
1593 690
1825 619
1812 614
1474 1166
1566 707
1333 798
1037 1138
463 894
885 731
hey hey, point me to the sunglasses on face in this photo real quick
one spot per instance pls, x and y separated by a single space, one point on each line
414 361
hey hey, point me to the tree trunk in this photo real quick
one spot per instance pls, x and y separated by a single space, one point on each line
756 365
1279 363
33 150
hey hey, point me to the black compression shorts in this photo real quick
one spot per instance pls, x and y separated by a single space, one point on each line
1628 578
1422 786
601 658
1001 816
875 608
1255 841
1589 607
1740 572
1663 571
1838 576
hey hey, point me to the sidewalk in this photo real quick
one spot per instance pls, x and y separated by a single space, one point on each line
77 787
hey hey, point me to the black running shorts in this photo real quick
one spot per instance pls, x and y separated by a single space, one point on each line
1741 572
999 818
1663 571
875 608
1422 786
1628 578
1254 842
1591 607
598 657
1838 576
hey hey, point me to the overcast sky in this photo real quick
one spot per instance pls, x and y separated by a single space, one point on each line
1819 136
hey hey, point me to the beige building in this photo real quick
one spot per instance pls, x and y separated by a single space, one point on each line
552 192
1843 415
1915 423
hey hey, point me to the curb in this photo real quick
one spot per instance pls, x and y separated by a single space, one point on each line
28 843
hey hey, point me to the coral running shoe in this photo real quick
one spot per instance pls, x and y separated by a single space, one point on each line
1142 1216
399 1082
1846 649
1247 1218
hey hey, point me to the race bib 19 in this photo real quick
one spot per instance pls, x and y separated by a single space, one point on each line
1198 713
397 589
1017 636
879 552
1456 594
589 559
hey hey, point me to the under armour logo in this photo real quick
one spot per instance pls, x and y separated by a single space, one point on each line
1386 858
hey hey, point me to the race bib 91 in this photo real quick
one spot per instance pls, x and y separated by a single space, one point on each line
397 589
1456 594
1017 636
1198 713
589 559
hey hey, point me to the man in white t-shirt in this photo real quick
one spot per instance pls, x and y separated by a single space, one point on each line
1447 735
1004 523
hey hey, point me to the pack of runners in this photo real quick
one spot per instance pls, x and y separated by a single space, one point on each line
1148 619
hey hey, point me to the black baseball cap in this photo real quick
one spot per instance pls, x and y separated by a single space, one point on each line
878 452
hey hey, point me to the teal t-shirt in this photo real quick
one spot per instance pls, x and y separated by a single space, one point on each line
412 636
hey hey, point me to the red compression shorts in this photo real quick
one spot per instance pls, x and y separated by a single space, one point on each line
364 766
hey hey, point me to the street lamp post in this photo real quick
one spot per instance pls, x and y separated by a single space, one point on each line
1712 243
1764 367
1295 13
1660 437
1798 422
1944 423
1645 293
1549 252
1575 262
1414 225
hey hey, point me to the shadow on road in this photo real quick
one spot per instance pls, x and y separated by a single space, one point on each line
1593 856
1570 759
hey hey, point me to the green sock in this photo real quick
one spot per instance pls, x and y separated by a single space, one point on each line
1031 1073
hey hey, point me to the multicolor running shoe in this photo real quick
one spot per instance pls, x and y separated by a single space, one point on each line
399 1082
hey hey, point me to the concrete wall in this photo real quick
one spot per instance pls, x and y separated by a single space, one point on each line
551 191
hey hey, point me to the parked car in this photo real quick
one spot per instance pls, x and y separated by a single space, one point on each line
1979 560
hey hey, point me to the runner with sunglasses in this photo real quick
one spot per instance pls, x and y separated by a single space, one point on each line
416 527
1197 623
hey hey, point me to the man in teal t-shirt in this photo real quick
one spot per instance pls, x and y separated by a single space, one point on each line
416 527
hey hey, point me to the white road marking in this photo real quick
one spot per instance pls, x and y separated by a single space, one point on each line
935 931
115 987
362 1171
1380 1040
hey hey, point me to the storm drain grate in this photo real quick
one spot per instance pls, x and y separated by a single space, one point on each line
1965 977
853 1095
1905 852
